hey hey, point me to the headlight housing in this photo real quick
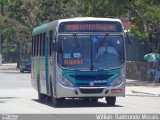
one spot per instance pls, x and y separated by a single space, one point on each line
117 81
23 66
65 82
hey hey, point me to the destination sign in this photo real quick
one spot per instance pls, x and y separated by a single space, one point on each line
90 26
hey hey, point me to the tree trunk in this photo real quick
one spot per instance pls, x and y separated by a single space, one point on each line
18 55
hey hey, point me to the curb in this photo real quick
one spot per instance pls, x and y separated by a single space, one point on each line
141 83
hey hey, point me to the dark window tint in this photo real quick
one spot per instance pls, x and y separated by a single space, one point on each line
40 50
43 44
50 42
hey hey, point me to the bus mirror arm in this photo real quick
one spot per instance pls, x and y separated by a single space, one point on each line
127 37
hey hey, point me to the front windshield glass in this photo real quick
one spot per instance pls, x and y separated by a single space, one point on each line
90 52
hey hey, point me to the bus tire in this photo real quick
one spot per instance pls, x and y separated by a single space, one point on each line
58 101
86 99
94 99
41 97
49 99
111 101
90 99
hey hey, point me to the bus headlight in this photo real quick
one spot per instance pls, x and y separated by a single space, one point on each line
65 82
117 81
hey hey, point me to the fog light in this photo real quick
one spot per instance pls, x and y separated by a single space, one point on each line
76 92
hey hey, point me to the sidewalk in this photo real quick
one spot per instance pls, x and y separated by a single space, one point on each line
143 87
141 83
8 66
132 86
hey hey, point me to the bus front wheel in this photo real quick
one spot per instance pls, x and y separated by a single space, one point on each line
94 99
111 101
90 99
58 101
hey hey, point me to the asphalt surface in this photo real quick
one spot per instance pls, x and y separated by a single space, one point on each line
18 97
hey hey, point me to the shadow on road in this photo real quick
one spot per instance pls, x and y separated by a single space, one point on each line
14 72
11 72
5 99
72 103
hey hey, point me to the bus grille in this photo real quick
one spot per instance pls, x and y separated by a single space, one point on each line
91 91
92 77
85 80
88 85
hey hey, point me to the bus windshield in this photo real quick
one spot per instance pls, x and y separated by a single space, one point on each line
92 52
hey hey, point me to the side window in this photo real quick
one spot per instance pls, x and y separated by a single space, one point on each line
35 45
43 44
50 42
40 50
38 44
32 45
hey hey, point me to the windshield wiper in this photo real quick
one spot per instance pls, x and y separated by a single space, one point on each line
105 37
76 41
91 44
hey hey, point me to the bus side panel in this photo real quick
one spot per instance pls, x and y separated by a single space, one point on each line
42 73
52 66
50 74
38 72
53 73
33 74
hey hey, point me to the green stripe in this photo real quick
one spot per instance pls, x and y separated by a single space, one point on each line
67 74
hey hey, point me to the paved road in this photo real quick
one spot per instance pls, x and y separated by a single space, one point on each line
18 96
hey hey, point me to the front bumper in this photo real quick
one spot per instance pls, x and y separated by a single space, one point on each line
76 92
25 69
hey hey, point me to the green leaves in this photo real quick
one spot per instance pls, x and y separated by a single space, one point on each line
141 34
4 2
21 16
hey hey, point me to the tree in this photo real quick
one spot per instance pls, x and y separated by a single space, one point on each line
100 8
144 14
3 4
146 25
21 16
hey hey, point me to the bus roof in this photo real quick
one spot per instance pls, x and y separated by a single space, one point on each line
44 27
89 19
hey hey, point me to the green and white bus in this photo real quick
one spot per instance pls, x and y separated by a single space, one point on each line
81 58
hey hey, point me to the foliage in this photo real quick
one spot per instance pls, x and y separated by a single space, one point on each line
100 8
142 35
149 76
19 17
146 25
50 10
